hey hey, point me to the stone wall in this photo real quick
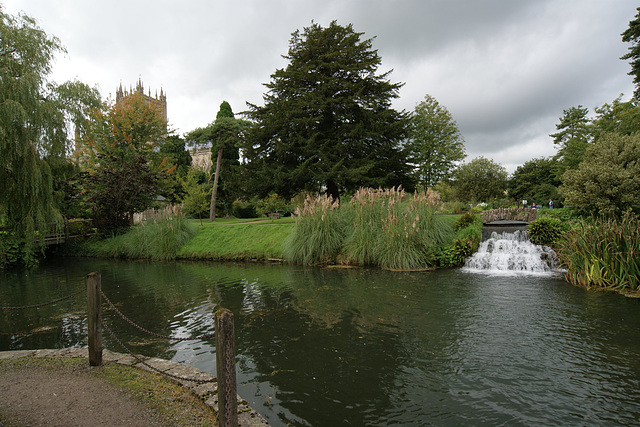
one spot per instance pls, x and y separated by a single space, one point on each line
511 214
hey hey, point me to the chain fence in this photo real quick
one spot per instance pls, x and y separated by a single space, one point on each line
113 335
146 331
44 304
154 334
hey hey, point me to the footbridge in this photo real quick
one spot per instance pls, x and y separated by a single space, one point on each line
509 216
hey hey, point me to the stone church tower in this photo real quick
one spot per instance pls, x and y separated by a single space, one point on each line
159 101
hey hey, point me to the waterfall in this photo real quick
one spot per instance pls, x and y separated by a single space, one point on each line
511 253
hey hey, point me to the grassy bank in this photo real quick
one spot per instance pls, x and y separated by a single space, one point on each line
226 239
236 239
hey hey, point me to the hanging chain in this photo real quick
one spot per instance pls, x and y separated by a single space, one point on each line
175 377
201 337
44 303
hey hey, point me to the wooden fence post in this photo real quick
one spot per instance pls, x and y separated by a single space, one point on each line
93 319
226 369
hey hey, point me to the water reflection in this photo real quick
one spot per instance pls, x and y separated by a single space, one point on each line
366 347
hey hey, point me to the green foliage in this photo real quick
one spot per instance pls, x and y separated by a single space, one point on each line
480 180
273 203
242 209
465 220
572 139
465 243
15 253
536 181
545 230
608 180
117 149
456 254
35 118
159 239
197 196
435 144
172 152
118 189
327 123
603 253
226 135
632 35
617 117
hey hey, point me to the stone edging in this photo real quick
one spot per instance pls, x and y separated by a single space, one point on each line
207 391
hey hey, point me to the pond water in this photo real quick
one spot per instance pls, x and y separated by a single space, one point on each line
334 347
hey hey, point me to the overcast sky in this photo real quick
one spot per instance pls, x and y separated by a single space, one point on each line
505 69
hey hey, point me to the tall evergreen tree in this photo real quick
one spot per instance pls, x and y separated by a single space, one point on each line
632 35
35 118
327 122
572 138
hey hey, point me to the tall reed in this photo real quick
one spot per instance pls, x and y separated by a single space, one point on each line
603 253
319 231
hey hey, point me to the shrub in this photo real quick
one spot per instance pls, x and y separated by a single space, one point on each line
242 209
465 220
273 203
456 254
545 230
466 242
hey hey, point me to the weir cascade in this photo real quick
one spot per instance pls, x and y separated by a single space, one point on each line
511 252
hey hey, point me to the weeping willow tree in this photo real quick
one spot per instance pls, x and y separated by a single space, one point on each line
35 125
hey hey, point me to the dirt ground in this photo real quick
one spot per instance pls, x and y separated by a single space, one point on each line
65 391
37 397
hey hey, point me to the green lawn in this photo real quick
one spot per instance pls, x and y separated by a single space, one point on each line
237 239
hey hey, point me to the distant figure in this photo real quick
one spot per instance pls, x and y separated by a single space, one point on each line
533 206
550 204
524 203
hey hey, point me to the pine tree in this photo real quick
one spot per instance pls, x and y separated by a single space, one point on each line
327 122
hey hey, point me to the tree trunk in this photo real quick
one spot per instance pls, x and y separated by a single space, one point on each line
332 190
212 207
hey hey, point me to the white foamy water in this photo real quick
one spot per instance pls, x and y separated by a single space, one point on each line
511 253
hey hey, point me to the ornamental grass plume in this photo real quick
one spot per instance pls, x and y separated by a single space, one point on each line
394 230
319 231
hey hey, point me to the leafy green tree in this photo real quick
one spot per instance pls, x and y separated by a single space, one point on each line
435 144
197 194
327 123
480 180
572 138
35 124
117 150
617 117
172 152
632 35
535 181
608 180
226 135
